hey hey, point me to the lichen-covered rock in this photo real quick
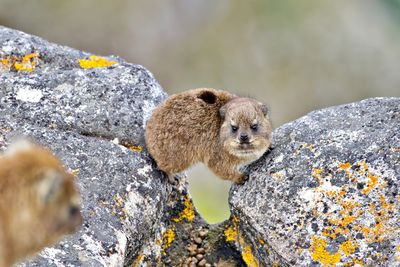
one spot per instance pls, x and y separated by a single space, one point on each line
59 87
328 192
75 104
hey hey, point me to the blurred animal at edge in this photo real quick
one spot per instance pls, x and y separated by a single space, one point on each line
38 202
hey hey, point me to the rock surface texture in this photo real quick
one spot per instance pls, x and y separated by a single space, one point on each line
76 104
325 195
328 192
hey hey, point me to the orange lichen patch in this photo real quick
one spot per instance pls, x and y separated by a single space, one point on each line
231 232
319 253
27 63
168 238
24 63
353 210
95 62
188 211
248 258
348 247
372 182
316 173
328 231
136 149
385 205
345 166
6 63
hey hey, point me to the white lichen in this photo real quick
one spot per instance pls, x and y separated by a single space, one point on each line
29 95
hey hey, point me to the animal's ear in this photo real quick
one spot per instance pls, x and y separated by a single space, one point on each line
264 109
208 96
222 111
49 186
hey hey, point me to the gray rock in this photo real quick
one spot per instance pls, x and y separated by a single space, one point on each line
111 102
76 112
327 193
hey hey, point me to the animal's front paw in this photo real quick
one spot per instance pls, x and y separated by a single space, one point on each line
242 179
173 179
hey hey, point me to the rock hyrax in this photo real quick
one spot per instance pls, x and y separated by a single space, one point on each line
222 130
38 202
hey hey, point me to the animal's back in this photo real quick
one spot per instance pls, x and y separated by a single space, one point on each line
184 128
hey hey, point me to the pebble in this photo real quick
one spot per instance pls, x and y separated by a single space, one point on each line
208 265
194 260
192 248
202 262
198 240
203 233
199 256
201 251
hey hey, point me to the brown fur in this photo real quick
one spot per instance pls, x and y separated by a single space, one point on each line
38 203
195 126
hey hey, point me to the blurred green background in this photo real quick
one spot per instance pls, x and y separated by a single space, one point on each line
296 56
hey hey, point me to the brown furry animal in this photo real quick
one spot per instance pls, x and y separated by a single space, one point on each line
222 130
38 202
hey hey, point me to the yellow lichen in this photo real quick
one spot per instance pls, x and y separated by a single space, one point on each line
136 149
95 62
168 238
231 231
6 63
319 253
372 182
118 200
138 261
384 204
248 258
75 172
188 211
348 247
316 173
27 63
24 63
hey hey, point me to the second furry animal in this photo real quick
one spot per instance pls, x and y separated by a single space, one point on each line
222 130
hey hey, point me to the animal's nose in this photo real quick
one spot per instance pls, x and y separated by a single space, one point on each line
244 137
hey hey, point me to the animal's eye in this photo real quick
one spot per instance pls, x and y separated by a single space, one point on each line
234 128
254 127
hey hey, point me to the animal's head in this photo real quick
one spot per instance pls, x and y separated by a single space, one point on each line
246 128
